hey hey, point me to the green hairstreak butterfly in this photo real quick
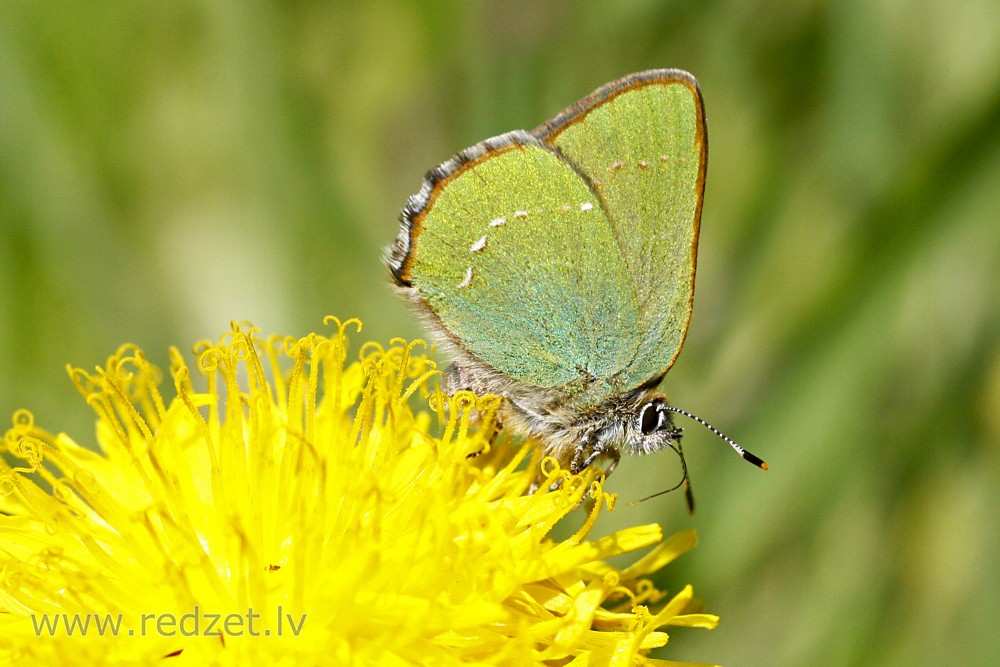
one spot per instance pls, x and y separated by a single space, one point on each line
557 266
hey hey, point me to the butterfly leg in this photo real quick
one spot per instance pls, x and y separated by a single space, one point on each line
595 454
615 457
584 455
591 450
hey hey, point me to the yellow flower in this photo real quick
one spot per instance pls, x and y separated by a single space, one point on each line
295 510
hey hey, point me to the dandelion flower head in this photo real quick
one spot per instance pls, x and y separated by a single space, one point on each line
322 510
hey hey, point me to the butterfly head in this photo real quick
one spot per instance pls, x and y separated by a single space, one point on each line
649 426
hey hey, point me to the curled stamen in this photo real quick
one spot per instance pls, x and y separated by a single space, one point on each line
23 420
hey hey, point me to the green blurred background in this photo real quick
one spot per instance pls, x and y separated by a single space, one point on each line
168 167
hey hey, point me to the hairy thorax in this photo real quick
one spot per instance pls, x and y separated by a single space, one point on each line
574 435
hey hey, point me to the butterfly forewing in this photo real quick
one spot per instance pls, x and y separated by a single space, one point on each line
641 141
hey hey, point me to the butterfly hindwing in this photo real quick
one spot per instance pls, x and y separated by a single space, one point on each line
510 249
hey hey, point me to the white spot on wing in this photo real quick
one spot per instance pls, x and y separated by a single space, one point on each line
520 215
467 280
498 222
586 206
478 245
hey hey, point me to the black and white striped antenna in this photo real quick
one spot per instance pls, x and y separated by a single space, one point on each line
747 456
686 480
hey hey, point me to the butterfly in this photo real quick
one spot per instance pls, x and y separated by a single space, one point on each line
556 267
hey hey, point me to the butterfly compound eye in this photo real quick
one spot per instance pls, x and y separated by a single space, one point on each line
650 418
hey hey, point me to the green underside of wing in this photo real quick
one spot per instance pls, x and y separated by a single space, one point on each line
583 281
550 301
643 151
